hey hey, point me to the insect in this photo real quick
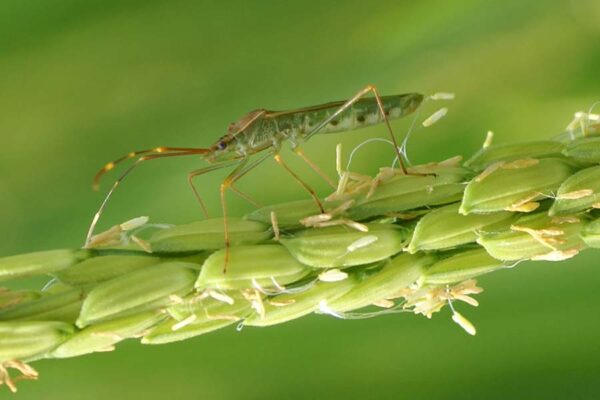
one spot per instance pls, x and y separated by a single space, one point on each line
262 131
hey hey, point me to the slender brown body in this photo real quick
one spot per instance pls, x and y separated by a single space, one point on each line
262 129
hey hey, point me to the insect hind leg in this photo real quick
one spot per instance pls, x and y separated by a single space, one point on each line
363 92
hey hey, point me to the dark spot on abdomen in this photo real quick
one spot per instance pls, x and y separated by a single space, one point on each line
334 122
360 118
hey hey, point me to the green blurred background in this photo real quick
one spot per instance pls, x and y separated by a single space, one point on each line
82 82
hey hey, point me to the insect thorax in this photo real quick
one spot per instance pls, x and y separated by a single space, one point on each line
262 134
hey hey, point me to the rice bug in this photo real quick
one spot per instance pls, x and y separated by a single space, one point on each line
263 131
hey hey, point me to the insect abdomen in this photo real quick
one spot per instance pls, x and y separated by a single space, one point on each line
365 112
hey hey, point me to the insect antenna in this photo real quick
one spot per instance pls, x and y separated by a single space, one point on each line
146 155
133 154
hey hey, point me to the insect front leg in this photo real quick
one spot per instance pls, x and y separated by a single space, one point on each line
194 174
242 169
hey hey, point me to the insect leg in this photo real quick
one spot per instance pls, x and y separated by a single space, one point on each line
194 174
242 169
349 103
243 172
203 171
314 166
189 152
245 196
300 181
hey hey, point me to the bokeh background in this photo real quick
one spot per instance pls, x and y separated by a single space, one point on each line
84 81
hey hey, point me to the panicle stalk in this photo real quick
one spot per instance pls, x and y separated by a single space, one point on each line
384 244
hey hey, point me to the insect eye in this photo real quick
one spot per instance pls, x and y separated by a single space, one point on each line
221 145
